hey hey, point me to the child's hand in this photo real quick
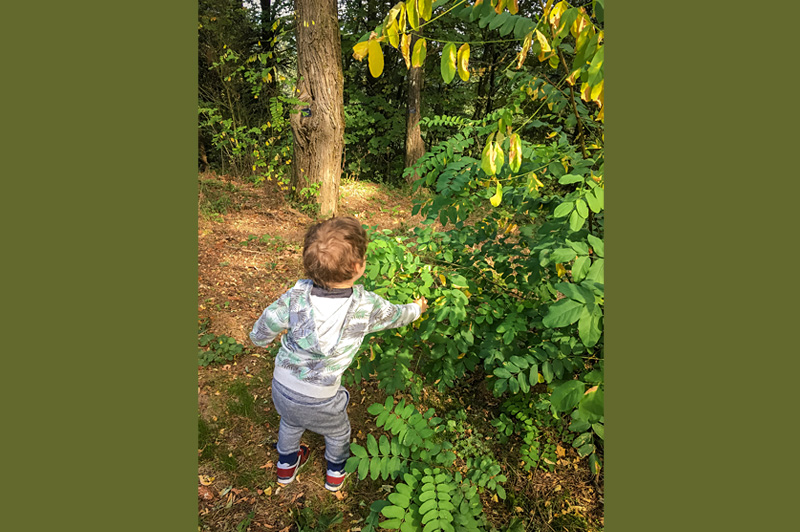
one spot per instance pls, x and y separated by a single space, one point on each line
423 304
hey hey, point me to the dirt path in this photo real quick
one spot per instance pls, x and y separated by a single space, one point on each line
247 258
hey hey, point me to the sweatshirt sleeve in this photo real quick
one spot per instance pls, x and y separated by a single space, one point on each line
386 315
273 320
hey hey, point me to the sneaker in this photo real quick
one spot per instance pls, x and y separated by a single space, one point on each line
334 480
287 472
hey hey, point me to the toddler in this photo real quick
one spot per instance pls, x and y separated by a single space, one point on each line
326 317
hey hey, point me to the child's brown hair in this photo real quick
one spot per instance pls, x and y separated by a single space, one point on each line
333 249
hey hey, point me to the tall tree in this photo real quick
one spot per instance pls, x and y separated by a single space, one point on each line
415 147
319 126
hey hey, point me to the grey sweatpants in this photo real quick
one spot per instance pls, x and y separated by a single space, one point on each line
327 417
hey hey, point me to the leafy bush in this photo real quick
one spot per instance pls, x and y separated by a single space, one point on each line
219 349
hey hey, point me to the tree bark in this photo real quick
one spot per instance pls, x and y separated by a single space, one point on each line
318 128
415 147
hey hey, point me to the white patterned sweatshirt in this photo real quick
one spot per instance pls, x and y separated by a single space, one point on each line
301 364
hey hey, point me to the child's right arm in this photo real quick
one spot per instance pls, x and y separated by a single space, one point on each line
273 320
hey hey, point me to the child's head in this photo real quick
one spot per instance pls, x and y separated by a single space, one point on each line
334 250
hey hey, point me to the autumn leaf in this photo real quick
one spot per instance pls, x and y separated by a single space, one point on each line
360 50
391 32
514 152
375 58
526 45
413 14
542 41
560 270
425 8
501 4
463 61
418 55
405 42
488 158
498 196
513 7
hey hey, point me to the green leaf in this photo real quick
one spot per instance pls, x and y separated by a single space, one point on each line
448 63
600 430
375 409
514 152
592 404
399 499
394 511
375 468
363 469
357 450
582 209
562 255
547 371
372 445
589 326
384 445
585 450
563 209
594 203
576 221
597 271
352 464
596 67
568 179
391 524
567 395
580 267
597 245
503 373
562 313
576 292
427 506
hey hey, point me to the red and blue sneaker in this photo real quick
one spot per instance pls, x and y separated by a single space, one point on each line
287 472
334 480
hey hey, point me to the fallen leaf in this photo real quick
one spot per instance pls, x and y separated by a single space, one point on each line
339 495
268 465
205 493
206 480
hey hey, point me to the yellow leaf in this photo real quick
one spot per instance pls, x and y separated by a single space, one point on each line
513 7
463 61
393 34
526 45
560 270
360 50
418 55
206 480
405 42
556 12
498 196
501 4
541 378
580 24
514 152
413 14
442 279
268 491
542 41
375 58
425 8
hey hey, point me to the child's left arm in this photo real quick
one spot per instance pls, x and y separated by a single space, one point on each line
386 315
273 320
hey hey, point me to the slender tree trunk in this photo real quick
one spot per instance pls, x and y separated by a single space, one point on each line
415 147
319 127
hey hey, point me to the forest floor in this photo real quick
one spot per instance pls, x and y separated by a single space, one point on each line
250 246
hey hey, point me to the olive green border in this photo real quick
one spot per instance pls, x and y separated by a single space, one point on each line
695 136
99 209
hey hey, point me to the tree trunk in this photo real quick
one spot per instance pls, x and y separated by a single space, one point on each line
415 147
319 127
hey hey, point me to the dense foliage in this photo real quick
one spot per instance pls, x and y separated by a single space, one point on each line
515 274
